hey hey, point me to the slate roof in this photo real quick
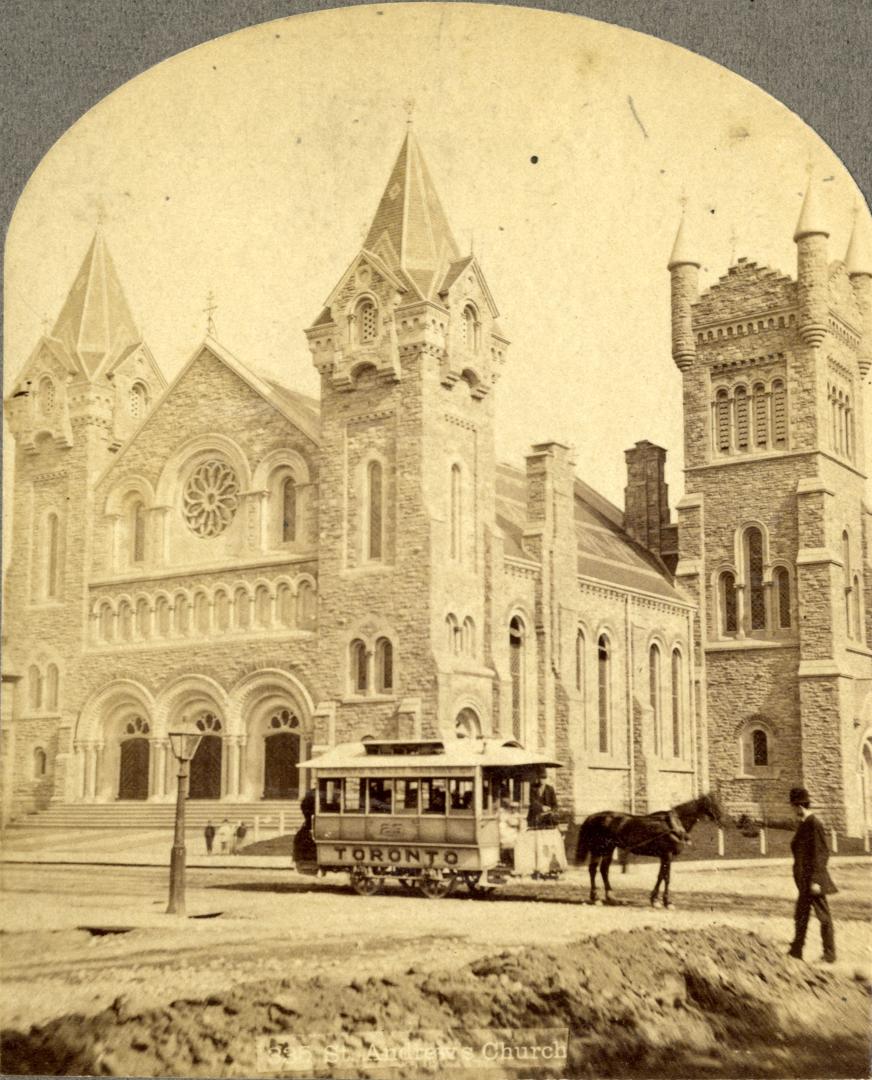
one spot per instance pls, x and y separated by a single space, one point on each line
604 550
95 327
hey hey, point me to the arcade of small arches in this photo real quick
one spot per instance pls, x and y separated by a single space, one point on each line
283 604
841 421
251 742
751 418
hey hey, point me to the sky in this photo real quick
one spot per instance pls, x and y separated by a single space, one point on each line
562 149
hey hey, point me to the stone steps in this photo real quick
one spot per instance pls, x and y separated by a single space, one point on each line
144 815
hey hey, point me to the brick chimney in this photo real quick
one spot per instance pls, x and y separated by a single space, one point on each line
646 502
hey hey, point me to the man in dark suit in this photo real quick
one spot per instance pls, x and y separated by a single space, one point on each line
810 855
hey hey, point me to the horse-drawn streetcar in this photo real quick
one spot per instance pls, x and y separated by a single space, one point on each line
430 815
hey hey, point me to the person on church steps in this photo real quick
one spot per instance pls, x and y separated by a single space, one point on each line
239 837
810 855
209 834
225 833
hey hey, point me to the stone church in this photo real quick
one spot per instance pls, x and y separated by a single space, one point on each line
286 573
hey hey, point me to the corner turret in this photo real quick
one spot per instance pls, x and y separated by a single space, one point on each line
812 273
858 261
684 272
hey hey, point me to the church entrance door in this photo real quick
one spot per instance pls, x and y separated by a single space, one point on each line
281 776
205 780
133 772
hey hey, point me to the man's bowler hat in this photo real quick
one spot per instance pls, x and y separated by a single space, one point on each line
799 797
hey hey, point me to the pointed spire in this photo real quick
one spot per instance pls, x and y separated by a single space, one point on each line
410 231
811 221
681 249
858 258
95 324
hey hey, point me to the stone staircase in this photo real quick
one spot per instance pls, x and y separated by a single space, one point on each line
144 815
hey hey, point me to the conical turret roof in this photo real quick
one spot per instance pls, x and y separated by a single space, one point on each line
410 232
681 250
858 259
95 325
811 220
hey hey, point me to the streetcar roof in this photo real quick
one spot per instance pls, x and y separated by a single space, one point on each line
430 754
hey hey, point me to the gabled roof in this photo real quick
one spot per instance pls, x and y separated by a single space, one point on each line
605 551
459 267
410 231
95 326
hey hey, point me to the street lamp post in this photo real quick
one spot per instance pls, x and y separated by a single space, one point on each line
184 745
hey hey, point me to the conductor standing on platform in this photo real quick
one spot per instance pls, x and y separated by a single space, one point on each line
810 855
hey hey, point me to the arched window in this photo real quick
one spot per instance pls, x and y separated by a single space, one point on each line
779 415
384 666
741 418
858 609
201 613
306 606
366 316
722 420
761 417
40 763
781 582
754 578
579 662
52 680
107 622
654 695
452 634
759 747
469 329
53 563
359 667
34 683
46 395
455 514
847 420
374 510
284 604
846 579
729 609
676 702
162 616
604 694
262 606
138 400
467 724
289 510
221 607
469 636
241 608
137 532
517 644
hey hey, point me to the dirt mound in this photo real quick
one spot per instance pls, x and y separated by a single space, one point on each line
642 1003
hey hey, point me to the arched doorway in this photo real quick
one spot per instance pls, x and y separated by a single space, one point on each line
205 781
133 760
281 756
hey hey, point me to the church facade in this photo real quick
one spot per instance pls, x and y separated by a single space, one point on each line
287 573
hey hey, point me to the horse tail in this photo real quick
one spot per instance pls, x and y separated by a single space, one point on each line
582 847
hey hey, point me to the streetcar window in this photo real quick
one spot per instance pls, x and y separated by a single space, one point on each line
379 795
433 796
461 791
328 796
406 796
354 796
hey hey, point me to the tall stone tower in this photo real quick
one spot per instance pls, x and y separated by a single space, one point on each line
774 536
85 387
408 350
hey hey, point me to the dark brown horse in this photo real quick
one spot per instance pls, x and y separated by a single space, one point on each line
663 835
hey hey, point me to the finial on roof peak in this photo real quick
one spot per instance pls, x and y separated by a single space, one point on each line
209 311
858 258
409 106
811 216
681 249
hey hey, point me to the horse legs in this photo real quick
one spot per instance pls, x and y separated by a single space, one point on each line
594 866
604 872
661 876
666 901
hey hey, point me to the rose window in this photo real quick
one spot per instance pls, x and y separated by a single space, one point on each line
210 498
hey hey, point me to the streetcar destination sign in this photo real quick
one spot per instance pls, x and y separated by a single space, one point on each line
396 855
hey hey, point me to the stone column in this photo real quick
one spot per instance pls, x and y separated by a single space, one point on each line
254 516
156 552
98 769
232 791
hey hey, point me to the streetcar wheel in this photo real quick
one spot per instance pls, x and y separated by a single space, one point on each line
365 884
435 887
